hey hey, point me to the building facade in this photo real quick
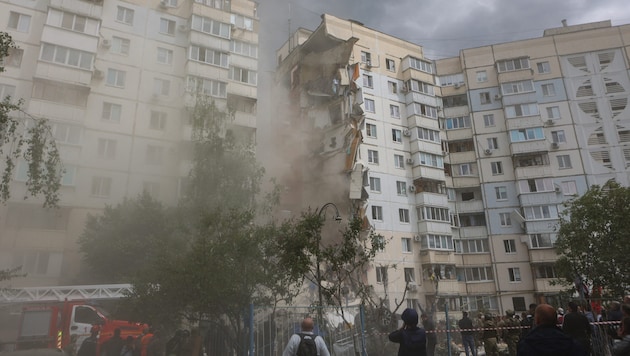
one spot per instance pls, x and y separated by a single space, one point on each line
116 80
461 163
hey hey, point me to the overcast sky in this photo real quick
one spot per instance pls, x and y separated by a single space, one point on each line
442 27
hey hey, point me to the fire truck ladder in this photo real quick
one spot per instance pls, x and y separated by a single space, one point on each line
62 293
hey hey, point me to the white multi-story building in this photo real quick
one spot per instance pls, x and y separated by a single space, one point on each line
115 79
463 163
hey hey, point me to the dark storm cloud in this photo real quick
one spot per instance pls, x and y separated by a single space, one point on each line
441 27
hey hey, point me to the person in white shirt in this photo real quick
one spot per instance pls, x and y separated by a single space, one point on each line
307 329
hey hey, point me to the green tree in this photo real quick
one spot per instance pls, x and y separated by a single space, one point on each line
24 138
593 238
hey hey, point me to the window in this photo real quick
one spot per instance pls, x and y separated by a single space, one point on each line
120 45
510 246
401 188
519 303
403 215
170 3
432 160
457 122
451 80
406 244
409 275
242 22
210 26
6 90
164 56
425 110
106 148
207 86
471 246
542 240
482 76
101 186
151 188
558 136
497 168
548 90
60 92
390 64
381 274
154 154
243 75
420 87
368 81
478 274
161 86
65 133
522 86
553 112
244 48
372 156
515 274
375 184
397 135
437 242
366 57
535 133
377 213
399 161
19 22
394 111
546 271
14 58
157 121
369 105
521 110
536 185
569 187
564 161
421 65
393 87
501 193
543 67
484 97
488 120
513 64
66 56
124 15
116 78
370 130
433 213
70 21
467 196
428 135
111 112
493 143
539 212
465 169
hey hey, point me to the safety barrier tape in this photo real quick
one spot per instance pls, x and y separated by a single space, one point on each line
597 323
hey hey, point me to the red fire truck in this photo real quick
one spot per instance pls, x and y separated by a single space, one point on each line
50 324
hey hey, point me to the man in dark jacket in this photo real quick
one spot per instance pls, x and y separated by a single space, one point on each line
546 339
114 345
412 339
429 328
576 325
88 346
468 337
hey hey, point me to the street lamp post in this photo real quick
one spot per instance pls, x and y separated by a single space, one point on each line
337 217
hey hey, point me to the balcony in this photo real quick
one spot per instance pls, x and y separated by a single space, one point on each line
242 89
434 227
532 146
428 172
209 41
92 8
424 146
54 110
533 172
421 121
460 157
203 70
437 257
473 232
544 198
523 122
470 206
459 134
444 287
482 288
464 181
65 38
543 285
433 199
539 226
245 119
543 255
61 73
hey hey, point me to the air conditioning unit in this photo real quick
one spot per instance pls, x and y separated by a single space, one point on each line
412 287
457 85
412 188
417 238
163 4
409 160
106 43
555 145
98 74
558 189
487 151
368 63
549 122
182 27
497 97
404 89
407 133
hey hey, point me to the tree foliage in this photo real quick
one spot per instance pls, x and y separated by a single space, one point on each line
24 138
593 238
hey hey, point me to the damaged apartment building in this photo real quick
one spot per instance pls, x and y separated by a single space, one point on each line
462 163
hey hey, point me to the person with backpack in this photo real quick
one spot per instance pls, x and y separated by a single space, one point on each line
306 343
412 339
